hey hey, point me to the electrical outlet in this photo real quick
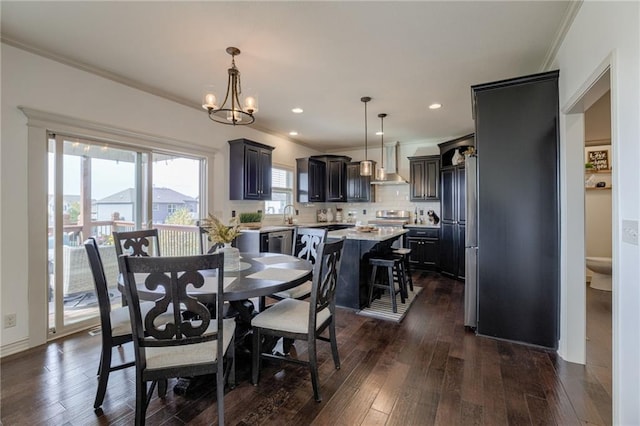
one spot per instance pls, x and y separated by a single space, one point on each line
9 320
630 232
233 213
364 212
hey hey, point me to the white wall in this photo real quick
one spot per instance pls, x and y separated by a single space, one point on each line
606 33
32 81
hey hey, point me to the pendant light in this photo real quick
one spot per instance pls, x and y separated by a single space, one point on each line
366 165
380 173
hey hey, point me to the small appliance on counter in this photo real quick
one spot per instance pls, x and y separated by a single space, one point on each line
321 215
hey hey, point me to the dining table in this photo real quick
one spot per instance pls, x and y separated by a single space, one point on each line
257 275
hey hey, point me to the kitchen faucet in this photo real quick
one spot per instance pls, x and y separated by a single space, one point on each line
288 219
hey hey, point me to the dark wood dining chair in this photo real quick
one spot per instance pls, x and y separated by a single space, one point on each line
180 347
305 246
304 319
115 325
143 242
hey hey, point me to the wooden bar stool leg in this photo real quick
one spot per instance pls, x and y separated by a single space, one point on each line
372 283
392 290
407 267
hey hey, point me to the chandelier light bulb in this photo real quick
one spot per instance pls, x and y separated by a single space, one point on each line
251 104
209 101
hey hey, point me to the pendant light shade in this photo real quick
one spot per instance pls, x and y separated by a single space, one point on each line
366 166
381 174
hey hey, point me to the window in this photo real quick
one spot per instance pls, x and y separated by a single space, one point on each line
95 189
281 191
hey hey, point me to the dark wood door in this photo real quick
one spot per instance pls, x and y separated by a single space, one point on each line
358 187
336 182
264 173
417 178
252 173
448 252
448 195
317 174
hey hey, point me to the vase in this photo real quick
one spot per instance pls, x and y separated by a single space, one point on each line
231 257
457 157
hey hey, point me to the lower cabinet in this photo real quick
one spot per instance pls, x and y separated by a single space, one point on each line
425 247
452 250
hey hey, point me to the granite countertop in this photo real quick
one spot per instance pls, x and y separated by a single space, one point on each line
421 225
381 234
275 228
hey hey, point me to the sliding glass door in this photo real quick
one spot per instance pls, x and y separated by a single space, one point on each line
97 188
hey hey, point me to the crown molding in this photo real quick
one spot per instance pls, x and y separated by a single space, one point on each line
570 14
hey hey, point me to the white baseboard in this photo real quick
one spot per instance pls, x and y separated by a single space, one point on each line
14 348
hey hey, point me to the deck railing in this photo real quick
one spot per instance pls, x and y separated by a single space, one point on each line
175 240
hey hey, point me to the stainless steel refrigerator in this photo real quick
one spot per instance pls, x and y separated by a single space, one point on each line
471 244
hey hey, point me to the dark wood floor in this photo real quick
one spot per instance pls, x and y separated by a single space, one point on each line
426 370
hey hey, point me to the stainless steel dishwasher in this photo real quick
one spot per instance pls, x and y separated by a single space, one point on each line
276 241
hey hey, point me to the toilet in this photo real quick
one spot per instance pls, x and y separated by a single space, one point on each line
600 268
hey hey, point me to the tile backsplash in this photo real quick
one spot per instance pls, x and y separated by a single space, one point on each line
388 197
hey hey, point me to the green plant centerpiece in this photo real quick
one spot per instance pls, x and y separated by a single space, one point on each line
219 233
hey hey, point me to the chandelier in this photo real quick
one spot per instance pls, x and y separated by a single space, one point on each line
366 165
380 173
234 112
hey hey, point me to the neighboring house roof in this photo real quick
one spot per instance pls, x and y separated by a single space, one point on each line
160 195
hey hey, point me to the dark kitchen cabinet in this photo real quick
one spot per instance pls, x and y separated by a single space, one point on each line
310 174
359 188
424 178
425 247
249 170
335 176
453 208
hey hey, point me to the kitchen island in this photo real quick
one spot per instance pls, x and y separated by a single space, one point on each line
352 290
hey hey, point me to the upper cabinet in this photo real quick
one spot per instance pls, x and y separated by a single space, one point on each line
310 174
249 170
336 177
424 177
322 178
359 188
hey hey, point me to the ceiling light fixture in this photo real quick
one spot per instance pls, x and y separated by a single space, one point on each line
366 165
380 173
435 106
235 113
297 110
293 133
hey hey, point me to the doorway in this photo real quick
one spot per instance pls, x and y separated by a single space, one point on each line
598 240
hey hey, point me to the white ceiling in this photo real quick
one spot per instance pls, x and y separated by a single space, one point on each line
321 56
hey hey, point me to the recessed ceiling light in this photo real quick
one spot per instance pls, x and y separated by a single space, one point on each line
379 133
297 110
435 106
293 133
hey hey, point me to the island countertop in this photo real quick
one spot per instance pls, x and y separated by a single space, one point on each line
381 234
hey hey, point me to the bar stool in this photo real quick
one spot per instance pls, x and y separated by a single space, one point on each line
406 254
394 266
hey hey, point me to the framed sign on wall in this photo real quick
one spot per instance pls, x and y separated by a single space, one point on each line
599 156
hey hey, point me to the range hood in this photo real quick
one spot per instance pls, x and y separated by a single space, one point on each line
391 163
